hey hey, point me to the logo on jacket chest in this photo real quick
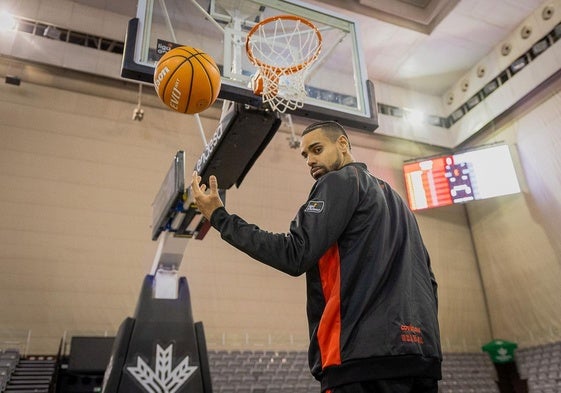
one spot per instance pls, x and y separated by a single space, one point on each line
315 207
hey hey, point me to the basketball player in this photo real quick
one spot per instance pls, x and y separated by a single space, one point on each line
371 293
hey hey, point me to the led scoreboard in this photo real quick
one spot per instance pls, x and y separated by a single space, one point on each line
462 177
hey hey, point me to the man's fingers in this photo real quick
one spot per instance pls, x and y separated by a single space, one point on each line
199 188
195 179
213 184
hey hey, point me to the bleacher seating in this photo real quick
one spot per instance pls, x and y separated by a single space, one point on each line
541 366
271 372
25 374
287 371
8 362
261 372
9 359
467 373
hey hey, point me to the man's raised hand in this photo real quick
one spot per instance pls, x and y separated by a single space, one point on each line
207 203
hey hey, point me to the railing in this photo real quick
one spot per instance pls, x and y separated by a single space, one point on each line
22 339
15 339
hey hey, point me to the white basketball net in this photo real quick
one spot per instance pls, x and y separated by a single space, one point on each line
283 48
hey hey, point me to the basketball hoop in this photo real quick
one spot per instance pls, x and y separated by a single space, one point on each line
282 47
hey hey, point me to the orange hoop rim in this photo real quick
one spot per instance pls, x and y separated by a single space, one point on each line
277 69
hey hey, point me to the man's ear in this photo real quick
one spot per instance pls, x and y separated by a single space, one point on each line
343 143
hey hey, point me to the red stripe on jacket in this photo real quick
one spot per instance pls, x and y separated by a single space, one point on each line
329 330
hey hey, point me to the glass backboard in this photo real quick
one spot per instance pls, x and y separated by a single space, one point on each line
337 87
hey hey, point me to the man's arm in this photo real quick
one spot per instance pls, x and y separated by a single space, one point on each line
316 227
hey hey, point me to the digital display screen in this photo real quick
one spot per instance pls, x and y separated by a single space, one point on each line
462 177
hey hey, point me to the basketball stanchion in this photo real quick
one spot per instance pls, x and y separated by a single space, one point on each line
161 349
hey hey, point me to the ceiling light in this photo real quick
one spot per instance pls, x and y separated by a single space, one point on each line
434 120
7 21
490 87
397 112
457 114
473 101
414 116
52 32
539 47
518 64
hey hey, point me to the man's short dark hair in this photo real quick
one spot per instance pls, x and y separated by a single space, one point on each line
331 128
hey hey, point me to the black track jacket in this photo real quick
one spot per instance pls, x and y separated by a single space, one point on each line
371 293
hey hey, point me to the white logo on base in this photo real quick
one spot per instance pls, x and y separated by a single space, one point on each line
163 379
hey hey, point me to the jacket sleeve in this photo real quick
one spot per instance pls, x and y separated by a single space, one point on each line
316 227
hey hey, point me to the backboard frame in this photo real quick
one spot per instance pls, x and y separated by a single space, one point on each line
364 117
169 195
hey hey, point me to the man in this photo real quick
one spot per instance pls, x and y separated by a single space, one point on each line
371 293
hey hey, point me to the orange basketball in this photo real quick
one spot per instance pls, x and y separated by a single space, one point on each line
187 80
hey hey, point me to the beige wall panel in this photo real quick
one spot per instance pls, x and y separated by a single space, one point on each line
517 237
463 318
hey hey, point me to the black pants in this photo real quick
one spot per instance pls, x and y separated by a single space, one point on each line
402 385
